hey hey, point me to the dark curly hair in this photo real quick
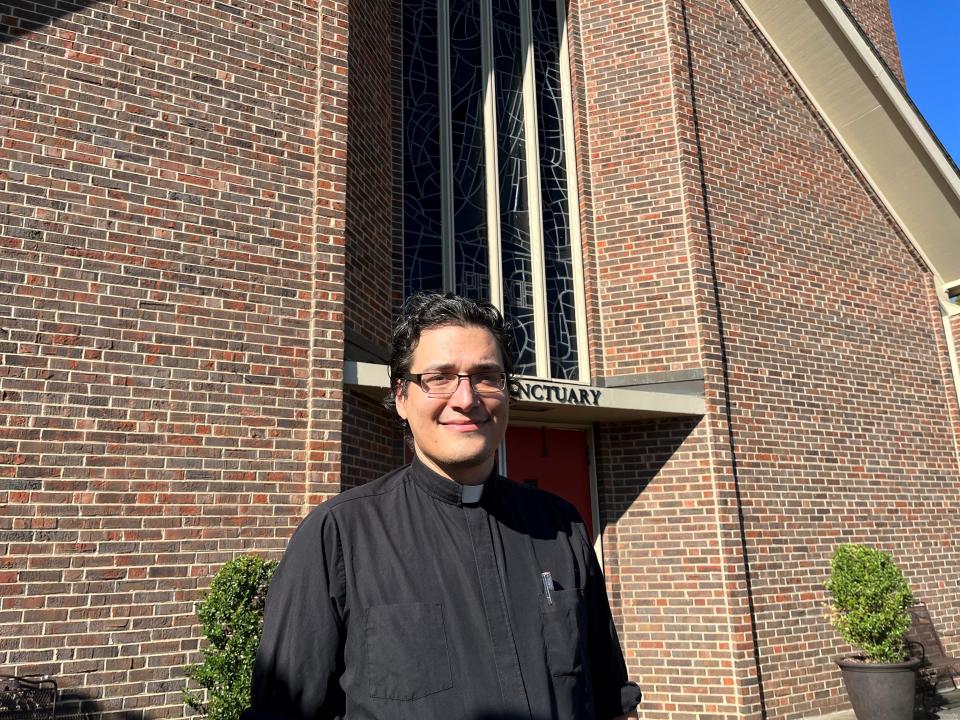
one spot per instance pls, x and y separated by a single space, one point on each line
424 311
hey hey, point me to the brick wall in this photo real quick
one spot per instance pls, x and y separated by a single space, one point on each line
372 275
646 234
950 377
824 369
638 293
830 340
372 440
666 569
165 270
875 20
186 240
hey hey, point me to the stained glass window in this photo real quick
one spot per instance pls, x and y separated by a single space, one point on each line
469 191
422 205
557 248
449 72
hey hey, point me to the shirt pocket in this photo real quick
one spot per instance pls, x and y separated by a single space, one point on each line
406 651
563 631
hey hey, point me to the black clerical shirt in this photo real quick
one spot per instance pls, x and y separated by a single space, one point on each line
399 600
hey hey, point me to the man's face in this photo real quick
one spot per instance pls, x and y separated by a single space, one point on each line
456 436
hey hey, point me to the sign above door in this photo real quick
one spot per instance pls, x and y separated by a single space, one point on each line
620 399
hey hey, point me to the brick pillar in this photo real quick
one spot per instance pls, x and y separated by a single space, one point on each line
638 280
670 534
328 178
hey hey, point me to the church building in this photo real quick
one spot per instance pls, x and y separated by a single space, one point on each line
727 241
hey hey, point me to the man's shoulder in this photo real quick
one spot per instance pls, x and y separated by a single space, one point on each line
372 491
346 512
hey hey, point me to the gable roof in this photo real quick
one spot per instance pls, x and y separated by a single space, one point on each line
873 118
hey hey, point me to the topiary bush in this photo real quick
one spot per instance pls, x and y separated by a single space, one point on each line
231 618
869 601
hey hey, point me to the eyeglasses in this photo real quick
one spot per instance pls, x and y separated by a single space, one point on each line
437 384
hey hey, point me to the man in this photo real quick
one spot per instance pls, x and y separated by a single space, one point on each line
442 590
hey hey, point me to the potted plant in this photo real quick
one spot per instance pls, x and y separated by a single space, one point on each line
231 619
869 601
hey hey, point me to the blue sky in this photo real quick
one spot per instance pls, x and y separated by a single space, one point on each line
928 32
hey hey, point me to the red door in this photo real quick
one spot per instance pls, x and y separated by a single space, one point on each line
555 460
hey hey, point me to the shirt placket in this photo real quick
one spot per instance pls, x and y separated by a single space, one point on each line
512 689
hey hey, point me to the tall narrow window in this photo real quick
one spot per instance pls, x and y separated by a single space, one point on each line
489 210
422 221
466 120
557 247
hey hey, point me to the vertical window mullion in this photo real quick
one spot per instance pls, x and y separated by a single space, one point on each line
490 156
573 198
538 265
446 147
513 180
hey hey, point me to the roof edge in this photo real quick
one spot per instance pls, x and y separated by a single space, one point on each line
872 117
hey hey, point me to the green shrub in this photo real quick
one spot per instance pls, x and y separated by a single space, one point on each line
231 618
869 601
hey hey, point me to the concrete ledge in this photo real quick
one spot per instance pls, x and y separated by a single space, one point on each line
549 401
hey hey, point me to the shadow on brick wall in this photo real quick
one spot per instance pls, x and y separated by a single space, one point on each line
632 456
74 704
21 17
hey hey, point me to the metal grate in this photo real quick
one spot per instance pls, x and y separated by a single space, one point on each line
31 697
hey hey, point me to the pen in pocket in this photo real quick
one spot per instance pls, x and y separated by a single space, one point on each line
547 586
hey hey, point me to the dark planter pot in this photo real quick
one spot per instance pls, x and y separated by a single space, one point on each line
880 691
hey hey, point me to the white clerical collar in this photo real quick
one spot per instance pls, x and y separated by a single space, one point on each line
472 493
